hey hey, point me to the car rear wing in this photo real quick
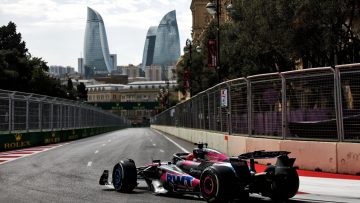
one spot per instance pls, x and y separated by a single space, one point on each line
262 154
282 158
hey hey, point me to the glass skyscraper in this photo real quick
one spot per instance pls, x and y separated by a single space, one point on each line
96 50
167 44
162 44
149 47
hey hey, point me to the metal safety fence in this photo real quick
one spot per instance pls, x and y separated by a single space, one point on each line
310 104
31 112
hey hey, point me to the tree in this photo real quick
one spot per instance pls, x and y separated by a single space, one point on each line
15 72
325 33
19 71
82 91
270 36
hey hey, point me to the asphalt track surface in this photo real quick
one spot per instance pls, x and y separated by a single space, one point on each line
70 173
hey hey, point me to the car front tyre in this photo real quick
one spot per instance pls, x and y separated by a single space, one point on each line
124 176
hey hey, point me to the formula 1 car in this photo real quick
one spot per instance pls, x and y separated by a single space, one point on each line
210 174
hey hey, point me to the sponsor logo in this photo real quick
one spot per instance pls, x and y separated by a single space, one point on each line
18 137
179 180
74 136
195 171
18 143
52 139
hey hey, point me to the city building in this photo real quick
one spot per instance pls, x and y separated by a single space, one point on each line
136 101
167 43
81 66
113 58
171 73
153 73
133 72
201 17
148 54
61 71
97 58
162 48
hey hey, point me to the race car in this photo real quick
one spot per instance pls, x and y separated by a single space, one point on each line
213 175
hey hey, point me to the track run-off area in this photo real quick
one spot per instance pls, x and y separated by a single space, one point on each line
69 172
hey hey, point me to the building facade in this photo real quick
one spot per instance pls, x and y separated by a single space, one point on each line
153 73
136 101
97 58
131 71
201 17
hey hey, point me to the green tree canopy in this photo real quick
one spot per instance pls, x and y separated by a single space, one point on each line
19 71
273 36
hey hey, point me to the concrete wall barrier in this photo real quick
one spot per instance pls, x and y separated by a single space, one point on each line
348 158
255 144
312 155
334 157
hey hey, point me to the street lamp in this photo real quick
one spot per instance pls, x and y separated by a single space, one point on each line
187 50
212 10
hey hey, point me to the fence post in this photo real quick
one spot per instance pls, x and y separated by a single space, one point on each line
40 114
207 93
9 116
249 104
51 116
283 106
12 113
27 114
228 113
338 105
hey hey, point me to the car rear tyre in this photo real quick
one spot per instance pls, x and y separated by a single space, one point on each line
124 176
283 187
215 184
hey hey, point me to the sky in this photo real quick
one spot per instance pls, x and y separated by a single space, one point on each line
54 29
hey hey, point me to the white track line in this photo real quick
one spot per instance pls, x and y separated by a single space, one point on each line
176 144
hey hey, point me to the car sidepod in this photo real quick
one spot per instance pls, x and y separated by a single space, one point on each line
175 180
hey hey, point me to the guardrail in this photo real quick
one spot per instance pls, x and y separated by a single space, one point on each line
311 104
31 119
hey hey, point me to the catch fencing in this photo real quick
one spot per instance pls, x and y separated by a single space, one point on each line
310 104
24 112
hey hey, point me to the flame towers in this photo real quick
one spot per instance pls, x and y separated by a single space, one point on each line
162 44
97 58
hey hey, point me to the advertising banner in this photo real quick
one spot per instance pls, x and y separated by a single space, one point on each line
212 53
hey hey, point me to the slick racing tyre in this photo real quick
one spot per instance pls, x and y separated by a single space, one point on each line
283 187
216 184
124 176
